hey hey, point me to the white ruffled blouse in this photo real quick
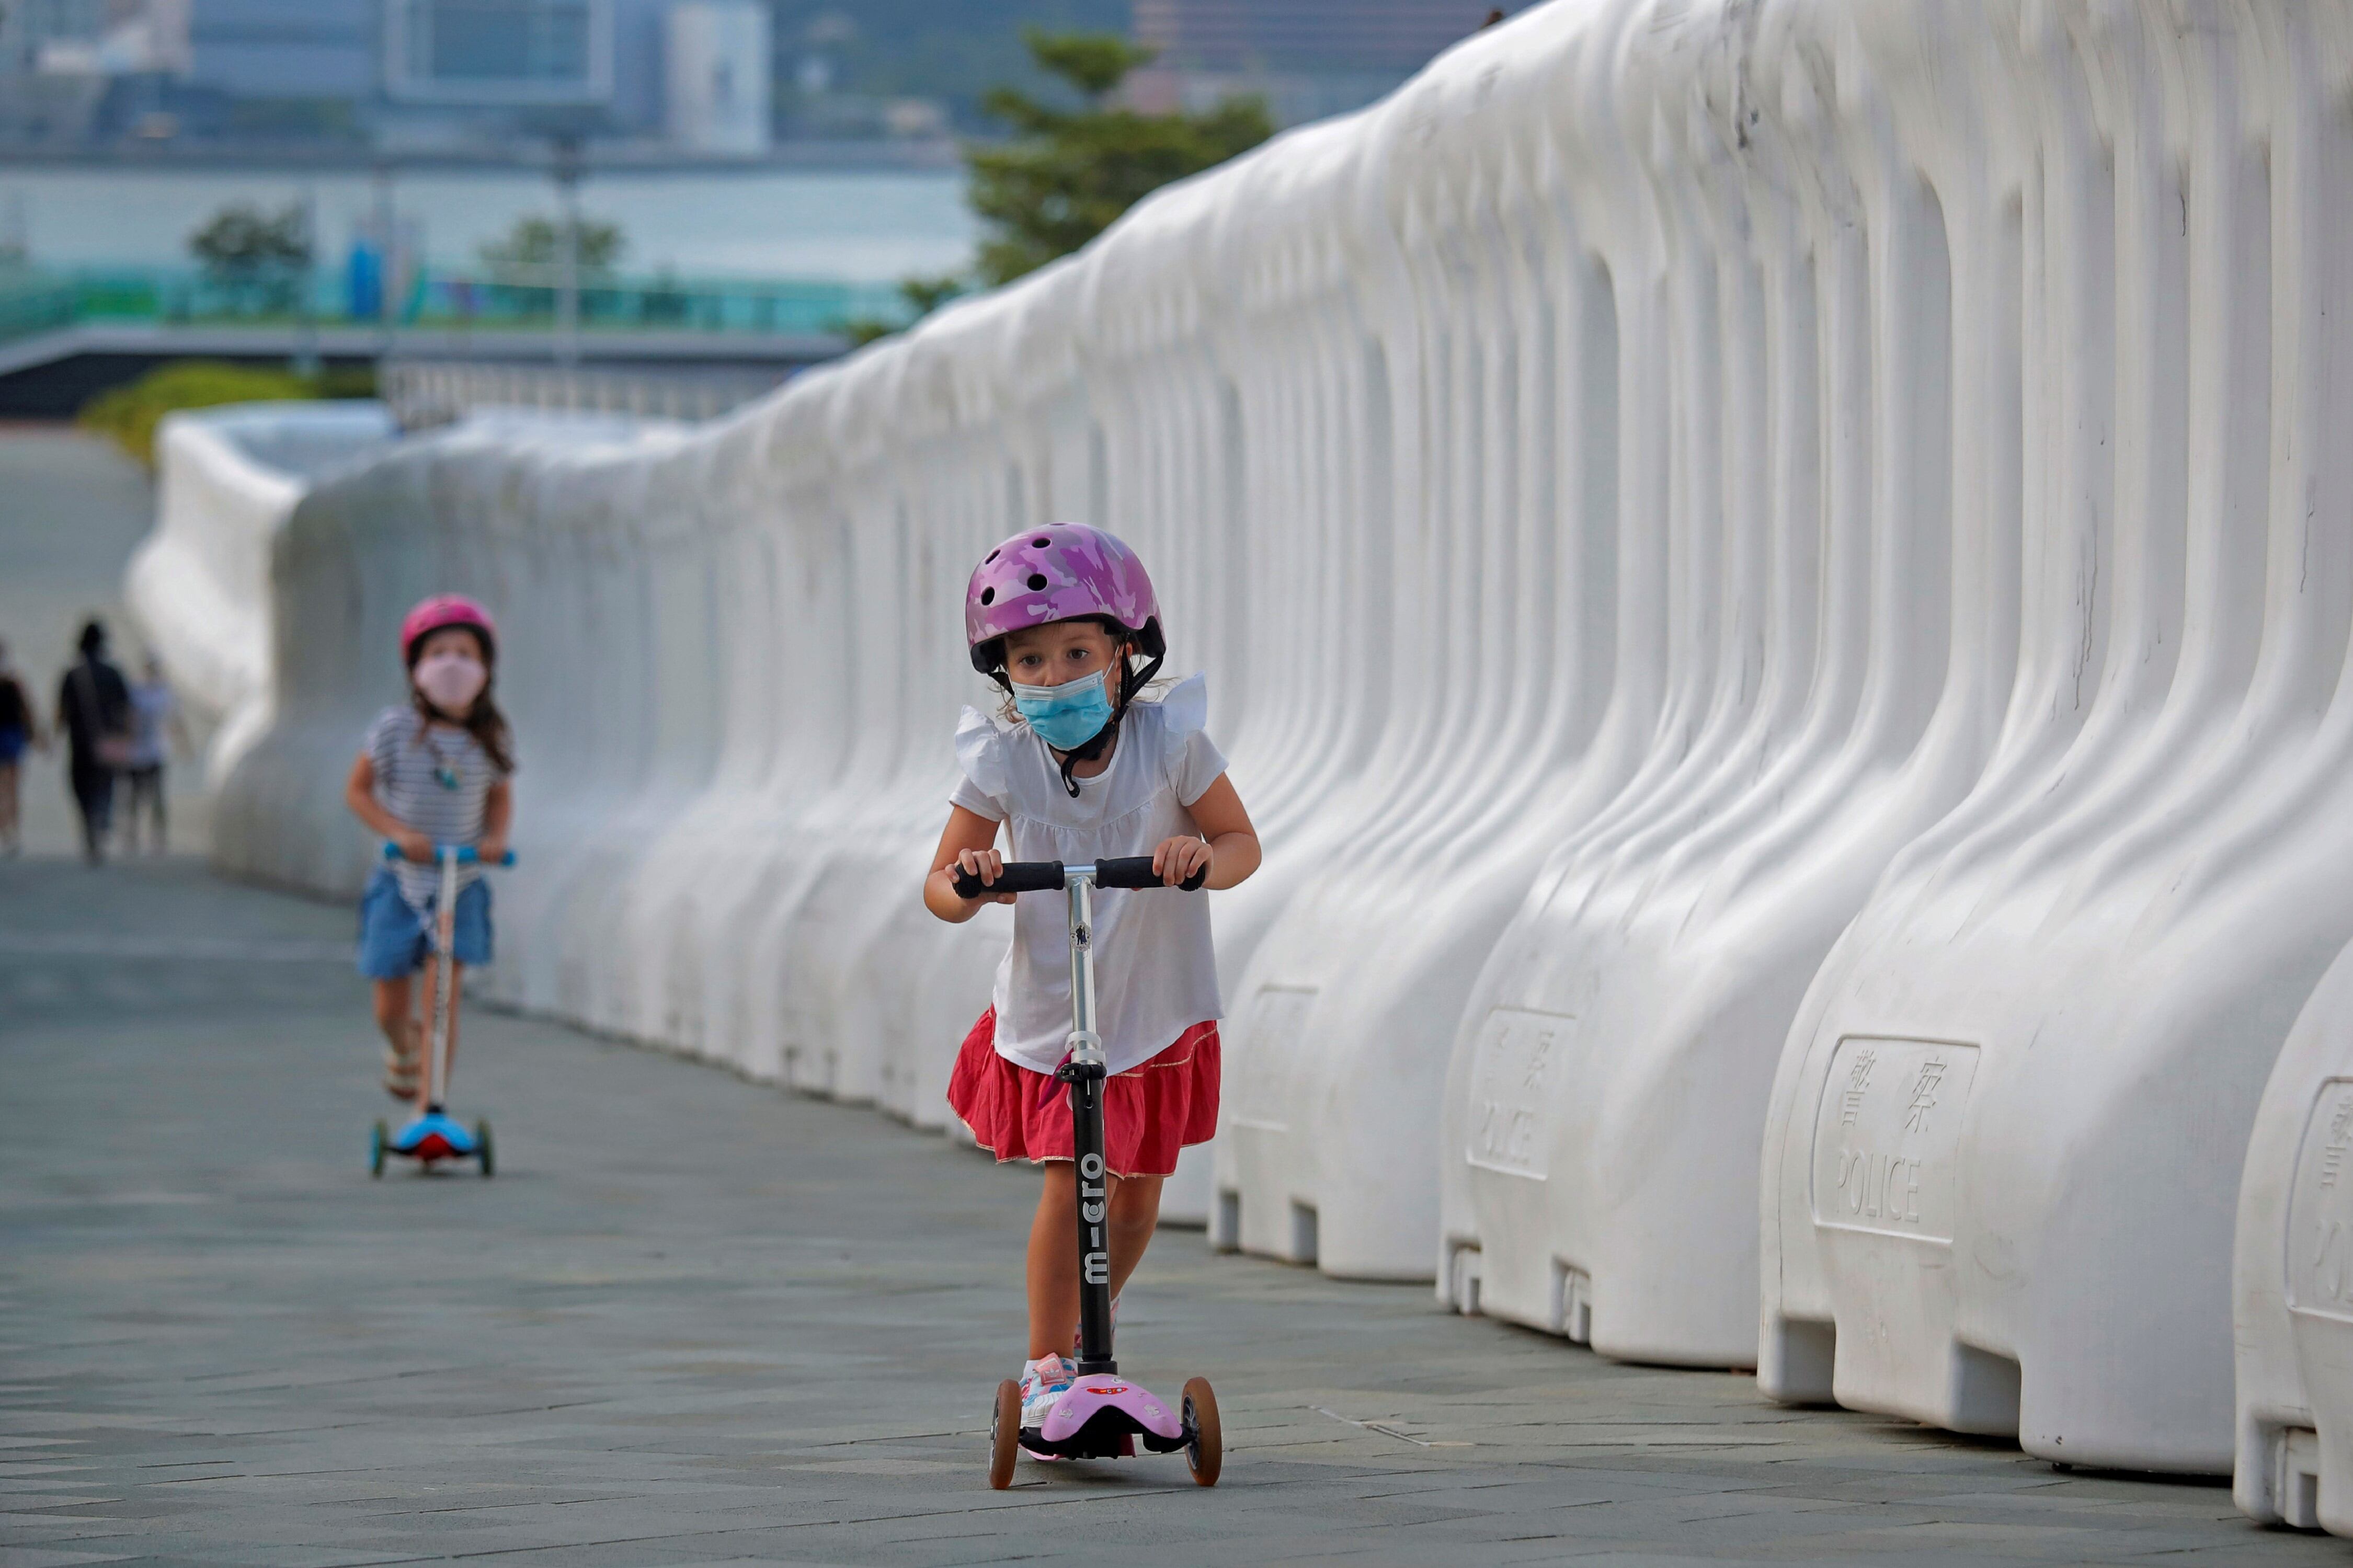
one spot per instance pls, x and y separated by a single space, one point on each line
1156 973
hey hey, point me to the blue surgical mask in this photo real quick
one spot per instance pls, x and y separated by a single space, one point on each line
1068 716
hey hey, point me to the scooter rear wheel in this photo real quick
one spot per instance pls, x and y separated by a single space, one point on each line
378 1136
1005 1435
482 1148
1205 1454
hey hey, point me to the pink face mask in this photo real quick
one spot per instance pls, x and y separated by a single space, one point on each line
451 682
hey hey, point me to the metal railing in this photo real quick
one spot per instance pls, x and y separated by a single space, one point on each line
32 302
505 298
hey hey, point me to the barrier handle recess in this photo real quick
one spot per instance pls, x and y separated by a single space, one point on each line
464 854
1052 876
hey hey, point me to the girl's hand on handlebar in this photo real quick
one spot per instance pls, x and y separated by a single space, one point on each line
414 846
1178 858
493 849
987 864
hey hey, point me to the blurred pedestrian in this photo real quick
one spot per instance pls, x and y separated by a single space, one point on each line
94 712
18 729
156 732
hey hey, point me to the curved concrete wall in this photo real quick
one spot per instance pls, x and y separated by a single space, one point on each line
1774 574
227 481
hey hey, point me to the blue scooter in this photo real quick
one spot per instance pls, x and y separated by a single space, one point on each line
434 1135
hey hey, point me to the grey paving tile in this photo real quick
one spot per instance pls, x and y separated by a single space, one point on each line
696 1321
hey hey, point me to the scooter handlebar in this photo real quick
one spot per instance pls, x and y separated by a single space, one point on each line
466 854
1046 877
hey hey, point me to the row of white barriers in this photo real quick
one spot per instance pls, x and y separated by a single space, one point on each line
1777 577
227 482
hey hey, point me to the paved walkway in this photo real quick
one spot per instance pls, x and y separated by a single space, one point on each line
696 1320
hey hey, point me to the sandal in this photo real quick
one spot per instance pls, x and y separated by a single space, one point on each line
399 1073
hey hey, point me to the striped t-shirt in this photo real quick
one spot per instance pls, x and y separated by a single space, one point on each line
436 778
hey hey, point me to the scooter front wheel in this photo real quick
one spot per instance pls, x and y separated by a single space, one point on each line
1005 1435
1205 1454
378 1136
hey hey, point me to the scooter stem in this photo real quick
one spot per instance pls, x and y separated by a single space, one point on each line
1084 1073
444 931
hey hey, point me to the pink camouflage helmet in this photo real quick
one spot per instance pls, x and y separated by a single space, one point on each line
1058 572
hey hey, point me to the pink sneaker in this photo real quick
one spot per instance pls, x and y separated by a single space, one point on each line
1043 1384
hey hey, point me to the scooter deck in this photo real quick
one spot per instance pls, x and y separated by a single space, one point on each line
429 1140
434 1136
1106 1437
1101 1418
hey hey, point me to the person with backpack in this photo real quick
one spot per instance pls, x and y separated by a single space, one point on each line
94 714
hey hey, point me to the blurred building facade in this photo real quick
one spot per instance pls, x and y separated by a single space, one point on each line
703 78
285 50
1307 58
69 65
396 74
717 93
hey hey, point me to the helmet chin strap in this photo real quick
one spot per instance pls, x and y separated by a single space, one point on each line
1131 681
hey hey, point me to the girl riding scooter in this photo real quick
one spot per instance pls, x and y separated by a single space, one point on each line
1076 768
431 773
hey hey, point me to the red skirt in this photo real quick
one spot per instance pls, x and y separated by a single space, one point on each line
1149 1111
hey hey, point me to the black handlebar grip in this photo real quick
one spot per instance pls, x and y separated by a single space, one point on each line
1014 877
1135 872
1126 871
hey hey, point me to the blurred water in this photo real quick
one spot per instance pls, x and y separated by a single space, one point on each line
861 226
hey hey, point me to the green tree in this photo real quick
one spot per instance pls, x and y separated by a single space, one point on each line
531 244
525 269
925 295
920 295
241 243
258 260
1066 175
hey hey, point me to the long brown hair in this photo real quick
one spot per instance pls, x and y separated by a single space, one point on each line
482 721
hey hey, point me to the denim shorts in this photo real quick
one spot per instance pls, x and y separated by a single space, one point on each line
395 939
12 745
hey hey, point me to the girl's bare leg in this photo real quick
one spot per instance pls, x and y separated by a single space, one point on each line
398 1020
1054 1250
1134 1211
8 803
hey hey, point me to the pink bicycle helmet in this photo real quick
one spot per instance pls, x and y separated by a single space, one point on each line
1058 572
442 612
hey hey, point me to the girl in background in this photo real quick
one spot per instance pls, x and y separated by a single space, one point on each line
431 771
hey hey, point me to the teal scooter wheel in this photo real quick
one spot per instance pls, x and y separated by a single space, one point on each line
378 1136
482 1148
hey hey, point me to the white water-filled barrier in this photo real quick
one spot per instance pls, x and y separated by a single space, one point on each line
2294 1276
2018 1092
199 586
1775 577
